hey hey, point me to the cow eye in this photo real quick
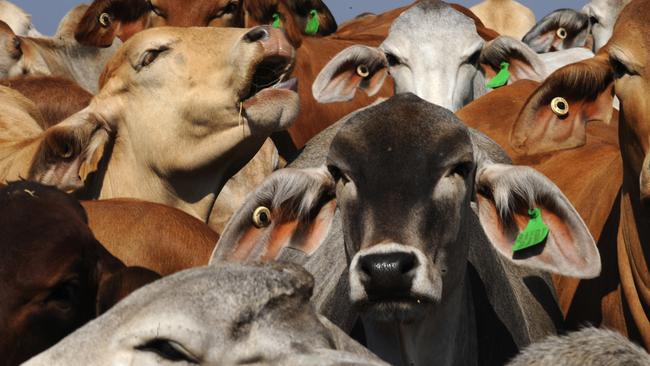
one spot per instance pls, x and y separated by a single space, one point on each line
620 68
461 170
231 7
149 56
168 350
392 59
64 295
338 175
593 20
474 57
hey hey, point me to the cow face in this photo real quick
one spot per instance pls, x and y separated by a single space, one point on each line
432 51
17 19
196 13
409 181
602 17
53 270
11 55
218 315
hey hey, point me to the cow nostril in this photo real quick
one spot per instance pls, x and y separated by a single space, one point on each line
377 266
257 34
407 263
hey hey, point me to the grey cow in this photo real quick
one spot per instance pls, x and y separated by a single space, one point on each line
436 53
403 222
220 315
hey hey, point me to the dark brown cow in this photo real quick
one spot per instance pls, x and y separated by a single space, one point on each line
56 98
151 235
54 275
620 298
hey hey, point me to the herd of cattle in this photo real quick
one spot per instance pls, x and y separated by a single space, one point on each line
245 182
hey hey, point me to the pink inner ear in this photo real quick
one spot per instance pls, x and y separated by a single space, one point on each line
246 244
520 70
280 237
318 230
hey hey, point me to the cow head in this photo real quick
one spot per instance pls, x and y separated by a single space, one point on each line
12 60
55 275
104 20
433 51
17 19
217 315
196 13
587 89
404 175
213 94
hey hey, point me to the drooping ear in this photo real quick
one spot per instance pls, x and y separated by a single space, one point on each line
523 62
70 151
293 208
118 285
107 19
355 67
506 193
555 115
560 30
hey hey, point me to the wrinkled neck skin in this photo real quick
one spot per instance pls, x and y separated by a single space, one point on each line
67 58
445 337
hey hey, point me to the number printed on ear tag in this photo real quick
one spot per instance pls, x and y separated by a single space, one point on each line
535 232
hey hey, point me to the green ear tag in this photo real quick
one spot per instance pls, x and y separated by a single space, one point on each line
501 78
277 22
313 24
535 233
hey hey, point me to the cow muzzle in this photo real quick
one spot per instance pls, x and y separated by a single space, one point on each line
393 282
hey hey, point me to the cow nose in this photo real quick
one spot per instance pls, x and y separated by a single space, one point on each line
257 34
388 274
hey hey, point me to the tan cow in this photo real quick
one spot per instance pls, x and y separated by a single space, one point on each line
19 21
60 55
508 17
179 112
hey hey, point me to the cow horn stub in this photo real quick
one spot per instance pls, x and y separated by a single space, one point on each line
105 19
560 106
261 217
362 70
561 33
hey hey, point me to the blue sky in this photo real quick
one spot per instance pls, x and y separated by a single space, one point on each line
47 13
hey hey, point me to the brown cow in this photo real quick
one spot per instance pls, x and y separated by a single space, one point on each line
54 275
150 235
56 98
60 55
619 298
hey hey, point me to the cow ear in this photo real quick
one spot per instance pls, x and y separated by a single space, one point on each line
523 62
514 203
555 115
106 20
70 151
120 284
355 67
560 30
292 210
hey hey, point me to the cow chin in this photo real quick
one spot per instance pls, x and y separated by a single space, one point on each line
407 310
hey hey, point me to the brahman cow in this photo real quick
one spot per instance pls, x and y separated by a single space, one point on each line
405 205
618 299
55 276
219 315
566 28
508 17
167 126
17 19
587 347
60 55
434 51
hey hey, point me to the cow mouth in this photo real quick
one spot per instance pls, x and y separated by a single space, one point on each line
271 73
400 308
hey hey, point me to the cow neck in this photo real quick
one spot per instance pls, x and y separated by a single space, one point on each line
446 338
632 263
126 175
69 59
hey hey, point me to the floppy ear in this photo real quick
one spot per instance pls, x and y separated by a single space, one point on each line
293 208
555 115
560 30
506 193
355 67
70 151
524 62
118 285
107 19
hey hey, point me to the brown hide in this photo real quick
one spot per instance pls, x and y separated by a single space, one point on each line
151 235
56 98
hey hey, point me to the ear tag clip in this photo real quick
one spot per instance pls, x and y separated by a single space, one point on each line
313 24
501 78
277 22
535 233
